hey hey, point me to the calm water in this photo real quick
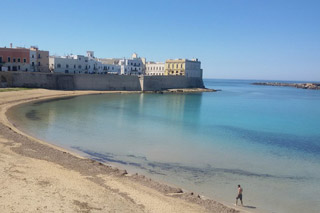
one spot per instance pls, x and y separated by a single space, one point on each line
265 138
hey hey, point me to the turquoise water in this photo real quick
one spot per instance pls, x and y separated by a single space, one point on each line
265 138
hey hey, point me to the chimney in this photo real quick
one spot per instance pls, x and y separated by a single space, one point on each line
10 45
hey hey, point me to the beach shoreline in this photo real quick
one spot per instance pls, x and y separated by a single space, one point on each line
122 192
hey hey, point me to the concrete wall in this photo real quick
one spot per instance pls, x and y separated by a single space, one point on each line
153 83
96 81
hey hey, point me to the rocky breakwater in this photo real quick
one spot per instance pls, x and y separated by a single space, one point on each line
186 90
315 86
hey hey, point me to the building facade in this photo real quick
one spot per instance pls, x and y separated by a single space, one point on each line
14 59
39 60
184 67
155 68
94 65
23 59
42 61
73 64
76 64
133 66
111 69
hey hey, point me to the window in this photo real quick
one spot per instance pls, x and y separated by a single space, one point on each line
58 65
39 56
0 59
79 66
39 63
74 66
9 59
18 67
19 60
14 60
32 56
24 60
67 65
32 64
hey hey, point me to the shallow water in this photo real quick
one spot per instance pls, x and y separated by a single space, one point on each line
265 138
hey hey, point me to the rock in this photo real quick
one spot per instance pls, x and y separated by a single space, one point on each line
178 190
123 172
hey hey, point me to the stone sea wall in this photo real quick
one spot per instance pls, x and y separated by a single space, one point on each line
106 82
96 81
154 83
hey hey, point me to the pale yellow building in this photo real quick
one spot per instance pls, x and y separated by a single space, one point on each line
183 67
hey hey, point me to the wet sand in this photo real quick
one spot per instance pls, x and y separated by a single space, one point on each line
40 177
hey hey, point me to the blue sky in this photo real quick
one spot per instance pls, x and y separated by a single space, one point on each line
237 39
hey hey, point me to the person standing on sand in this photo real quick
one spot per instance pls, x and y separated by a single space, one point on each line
240 190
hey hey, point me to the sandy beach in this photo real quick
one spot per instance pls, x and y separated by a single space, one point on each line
40 177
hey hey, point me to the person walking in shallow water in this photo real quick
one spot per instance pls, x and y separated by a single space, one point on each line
240 190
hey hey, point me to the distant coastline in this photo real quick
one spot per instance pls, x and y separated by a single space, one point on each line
313 86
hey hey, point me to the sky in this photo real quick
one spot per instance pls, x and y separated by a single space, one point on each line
233 39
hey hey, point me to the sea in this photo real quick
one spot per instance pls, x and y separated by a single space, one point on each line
265 138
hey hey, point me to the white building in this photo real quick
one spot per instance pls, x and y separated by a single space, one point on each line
155 68
111 69
133 66
33 59
94 66
75 64
110 66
